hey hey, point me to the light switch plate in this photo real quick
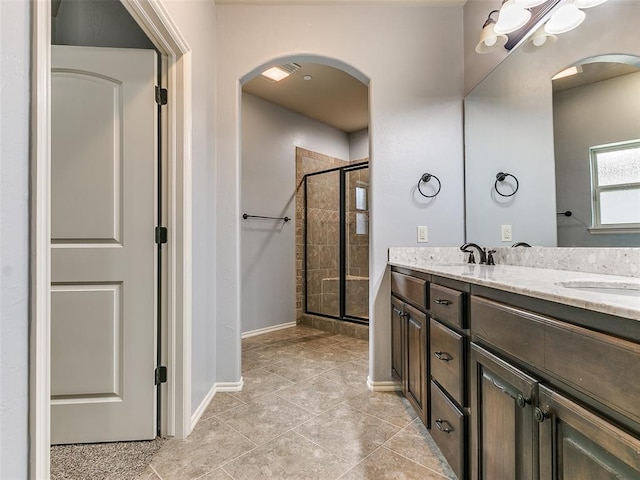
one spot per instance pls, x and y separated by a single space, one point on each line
507 233
423 234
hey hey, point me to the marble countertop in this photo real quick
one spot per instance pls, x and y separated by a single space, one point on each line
543 283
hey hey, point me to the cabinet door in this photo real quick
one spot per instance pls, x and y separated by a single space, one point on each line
417 372
398 341
577 444
503 429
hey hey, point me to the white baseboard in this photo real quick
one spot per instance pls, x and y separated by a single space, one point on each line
273 328
217 387
389 386
230 386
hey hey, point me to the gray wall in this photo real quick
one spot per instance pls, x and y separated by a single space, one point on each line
14 237
97 23
270 135
359 144
596 114
196 20
413 57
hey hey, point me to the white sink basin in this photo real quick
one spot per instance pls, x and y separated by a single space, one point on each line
604 286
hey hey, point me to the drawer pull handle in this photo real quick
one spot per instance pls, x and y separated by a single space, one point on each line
396 311
520 399
443 426
441 301
540 415
444 356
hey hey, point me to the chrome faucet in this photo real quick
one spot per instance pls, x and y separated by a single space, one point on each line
483 256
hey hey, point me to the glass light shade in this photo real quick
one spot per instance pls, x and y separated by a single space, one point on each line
511 18
566 18
490 40
539 40
534 3
588 3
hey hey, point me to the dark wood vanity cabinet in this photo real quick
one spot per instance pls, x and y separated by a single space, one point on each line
514 387
409 340
448 344
545 397
398 341
417 355
576 443
502 422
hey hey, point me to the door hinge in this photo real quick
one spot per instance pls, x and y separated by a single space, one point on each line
161 95
160 375
161 235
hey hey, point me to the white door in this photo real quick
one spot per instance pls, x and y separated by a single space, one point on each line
103 253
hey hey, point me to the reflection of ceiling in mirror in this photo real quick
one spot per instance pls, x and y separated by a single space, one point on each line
594 72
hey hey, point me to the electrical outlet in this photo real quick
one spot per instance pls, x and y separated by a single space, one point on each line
423 234
507 233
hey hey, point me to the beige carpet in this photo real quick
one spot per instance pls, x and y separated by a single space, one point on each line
102 461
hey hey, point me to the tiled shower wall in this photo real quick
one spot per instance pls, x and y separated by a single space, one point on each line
323 237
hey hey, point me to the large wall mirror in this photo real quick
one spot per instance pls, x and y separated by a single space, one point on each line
559 139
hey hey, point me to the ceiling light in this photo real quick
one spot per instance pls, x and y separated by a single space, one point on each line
489 39
511 18
307 77
566 18
280 72
568 72
588 3
276 74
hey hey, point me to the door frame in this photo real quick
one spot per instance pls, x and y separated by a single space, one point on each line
154 20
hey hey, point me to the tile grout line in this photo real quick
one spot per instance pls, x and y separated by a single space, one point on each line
413 461
363 459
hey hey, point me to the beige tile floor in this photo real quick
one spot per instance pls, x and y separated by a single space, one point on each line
305 412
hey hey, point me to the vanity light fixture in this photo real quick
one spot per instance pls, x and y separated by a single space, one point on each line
564 19
489 39
511 17
529 3
280 72
582 4
539 40
517 18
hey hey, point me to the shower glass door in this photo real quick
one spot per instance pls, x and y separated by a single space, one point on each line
337 243
356 279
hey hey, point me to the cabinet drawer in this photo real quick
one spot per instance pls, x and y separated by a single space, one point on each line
447 304
447 360
514 331
447 429
600 366
411 288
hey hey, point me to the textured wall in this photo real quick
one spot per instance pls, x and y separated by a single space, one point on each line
413 58
14 238
270 137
